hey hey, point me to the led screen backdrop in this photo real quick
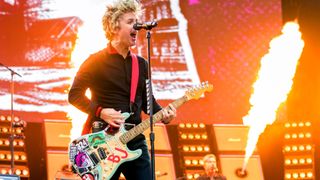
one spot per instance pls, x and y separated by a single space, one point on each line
220 41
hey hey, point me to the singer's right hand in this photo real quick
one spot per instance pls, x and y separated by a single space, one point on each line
112 117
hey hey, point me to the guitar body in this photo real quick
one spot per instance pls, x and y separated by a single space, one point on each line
98 155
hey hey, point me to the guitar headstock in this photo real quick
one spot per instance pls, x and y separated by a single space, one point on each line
196 92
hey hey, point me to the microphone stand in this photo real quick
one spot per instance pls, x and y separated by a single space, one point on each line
11 136
150 107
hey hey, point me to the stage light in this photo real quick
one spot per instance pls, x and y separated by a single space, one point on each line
301 135
309 160
294 148
197 136
287 136
188 125
309 174
287 125
294 161
190 136
309 147
193 149
295 175
187 162
301 124
204 136
195 162
182 125
23 157
206 148
183 136
308 135
2 118
287 161
195 125
201 125
288 175
185 148
25 172
18 172
302 175
301 148
294 136
294 124
308 124
200 148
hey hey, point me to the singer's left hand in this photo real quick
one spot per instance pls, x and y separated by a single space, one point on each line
168 114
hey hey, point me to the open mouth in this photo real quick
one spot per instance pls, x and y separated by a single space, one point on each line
133 35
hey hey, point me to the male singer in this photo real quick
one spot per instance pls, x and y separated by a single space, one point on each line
107 74
211 169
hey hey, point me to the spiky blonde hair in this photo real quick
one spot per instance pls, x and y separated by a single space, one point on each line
110 20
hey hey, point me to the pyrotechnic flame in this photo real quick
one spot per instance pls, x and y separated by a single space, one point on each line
90 39
273 83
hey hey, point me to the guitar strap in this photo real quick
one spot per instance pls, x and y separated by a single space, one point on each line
134 79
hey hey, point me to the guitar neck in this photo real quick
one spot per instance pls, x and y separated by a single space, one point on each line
144 125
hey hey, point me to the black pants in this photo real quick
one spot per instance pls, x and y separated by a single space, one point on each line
138 169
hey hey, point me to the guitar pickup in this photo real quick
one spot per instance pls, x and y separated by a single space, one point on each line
102 153
94 158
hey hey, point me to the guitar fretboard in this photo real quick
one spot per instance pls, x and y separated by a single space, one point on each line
144 125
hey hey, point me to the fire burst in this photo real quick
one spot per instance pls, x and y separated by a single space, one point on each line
273 83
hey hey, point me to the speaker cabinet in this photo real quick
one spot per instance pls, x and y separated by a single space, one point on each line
57 161
57 133
164 167
161 137
230 163
230 137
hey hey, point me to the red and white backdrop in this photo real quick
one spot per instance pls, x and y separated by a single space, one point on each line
219 41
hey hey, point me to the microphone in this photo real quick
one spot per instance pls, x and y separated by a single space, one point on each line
146 25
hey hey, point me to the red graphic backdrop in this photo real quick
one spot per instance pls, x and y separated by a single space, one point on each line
227 40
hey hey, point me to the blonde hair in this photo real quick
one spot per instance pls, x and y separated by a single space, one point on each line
208 156
110 20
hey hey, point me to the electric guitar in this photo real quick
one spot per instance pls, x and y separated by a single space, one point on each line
97 156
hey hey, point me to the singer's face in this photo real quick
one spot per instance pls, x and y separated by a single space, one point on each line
210 165
126 34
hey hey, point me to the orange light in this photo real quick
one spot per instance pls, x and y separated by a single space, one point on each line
301 148
2 118
18 172
206 148
309 160
204 136
302 175
287 136
188 125
294 136
308 147
190 136
287 125
309 174
200 148
308 135
197 136
194 162
294 124
294 148
308 124
301 135
288 175
183 136
295 175
302 161
294 161
195 125
201 125
287 161
187 162
301 124
182 125
185 148
193 149
25 172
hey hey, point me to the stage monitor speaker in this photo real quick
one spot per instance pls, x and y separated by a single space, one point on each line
9 177
230 137
231 163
